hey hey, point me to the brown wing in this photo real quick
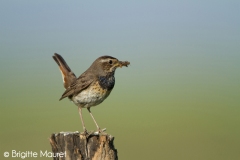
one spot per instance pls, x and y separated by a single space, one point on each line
77 86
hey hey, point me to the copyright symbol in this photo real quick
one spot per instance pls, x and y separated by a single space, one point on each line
6 154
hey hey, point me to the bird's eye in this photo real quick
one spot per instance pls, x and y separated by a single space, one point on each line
110 61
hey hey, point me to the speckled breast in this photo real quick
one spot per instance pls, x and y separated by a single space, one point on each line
91 96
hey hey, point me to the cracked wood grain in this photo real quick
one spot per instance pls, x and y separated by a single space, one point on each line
76 146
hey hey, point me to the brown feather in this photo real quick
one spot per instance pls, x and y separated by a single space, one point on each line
67 75
77 86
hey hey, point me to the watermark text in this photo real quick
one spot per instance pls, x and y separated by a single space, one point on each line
32 154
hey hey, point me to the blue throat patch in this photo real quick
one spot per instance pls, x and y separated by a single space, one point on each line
107 82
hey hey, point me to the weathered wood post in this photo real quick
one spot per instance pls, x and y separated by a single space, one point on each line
77 146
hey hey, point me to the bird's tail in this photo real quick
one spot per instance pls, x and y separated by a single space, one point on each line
67 75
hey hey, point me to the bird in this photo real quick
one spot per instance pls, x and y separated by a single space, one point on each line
93 86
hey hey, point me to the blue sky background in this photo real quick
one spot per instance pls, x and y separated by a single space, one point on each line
183 81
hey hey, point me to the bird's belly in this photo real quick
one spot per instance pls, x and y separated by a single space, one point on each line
92 96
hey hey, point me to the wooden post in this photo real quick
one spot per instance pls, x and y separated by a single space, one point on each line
76 146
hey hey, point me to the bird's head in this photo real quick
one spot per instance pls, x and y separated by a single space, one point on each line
107 64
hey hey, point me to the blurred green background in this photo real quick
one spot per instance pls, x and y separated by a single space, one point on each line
179 98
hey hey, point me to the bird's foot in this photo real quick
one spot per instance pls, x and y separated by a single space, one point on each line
99 131
85 132
103 130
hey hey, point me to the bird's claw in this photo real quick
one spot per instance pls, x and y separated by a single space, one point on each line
85 132
99 131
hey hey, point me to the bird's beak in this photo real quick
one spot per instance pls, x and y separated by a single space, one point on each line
122 63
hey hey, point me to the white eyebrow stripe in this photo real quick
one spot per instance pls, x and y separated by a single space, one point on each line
104 60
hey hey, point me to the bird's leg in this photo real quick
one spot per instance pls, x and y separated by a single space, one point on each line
94 120
80 113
